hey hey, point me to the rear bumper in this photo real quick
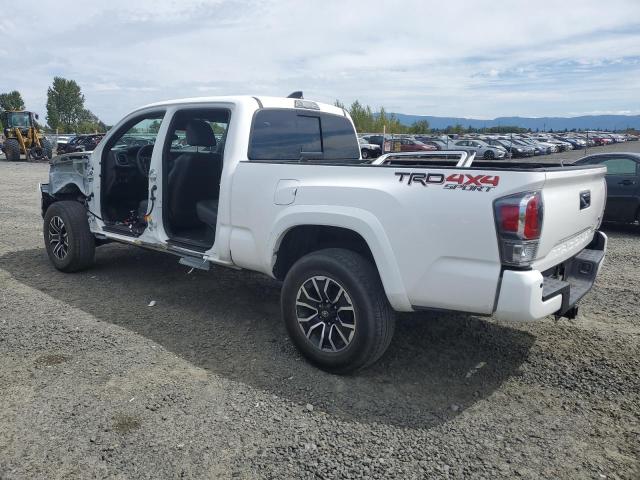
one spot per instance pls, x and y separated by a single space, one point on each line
531 295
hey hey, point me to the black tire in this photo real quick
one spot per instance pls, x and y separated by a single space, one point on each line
489 155
36 153
69 219
365 153
12 149
47 147
372 317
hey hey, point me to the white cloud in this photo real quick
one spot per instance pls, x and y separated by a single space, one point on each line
482 58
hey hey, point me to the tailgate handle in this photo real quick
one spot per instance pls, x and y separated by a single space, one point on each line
585 199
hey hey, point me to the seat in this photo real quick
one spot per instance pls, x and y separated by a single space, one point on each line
195 176
207 211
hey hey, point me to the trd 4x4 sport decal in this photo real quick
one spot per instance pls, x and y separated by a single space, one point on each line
455 181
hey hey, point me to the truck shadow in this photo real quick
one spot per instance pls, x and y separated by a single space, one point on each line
228 322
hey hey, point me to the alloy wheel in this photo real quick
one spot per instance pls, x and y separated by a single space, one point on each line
58 237
325 314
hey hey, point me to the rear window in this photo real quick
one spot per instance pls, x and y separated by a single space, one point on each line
282 134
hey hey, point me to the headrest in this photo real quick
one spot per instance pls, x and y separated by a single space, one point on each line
200 134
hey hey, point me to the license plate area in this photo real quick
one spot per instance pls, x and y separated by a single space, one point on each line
574 278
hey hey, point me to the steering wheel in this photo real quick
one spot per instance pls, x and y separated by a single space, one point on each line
143 159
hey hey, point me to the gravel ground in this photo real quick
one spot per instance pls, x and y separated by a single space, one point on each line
94 383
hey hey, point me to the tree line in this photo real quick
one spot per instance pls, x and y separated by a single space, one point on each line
66 111
366 120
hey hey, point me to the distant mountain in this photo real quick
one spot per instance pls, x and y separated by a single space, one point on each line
591 122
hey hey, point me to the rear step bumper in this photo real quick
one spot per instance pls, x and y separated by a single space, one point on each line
528 295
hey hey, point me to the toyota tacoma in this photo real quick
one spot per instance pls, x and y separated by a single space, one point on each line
279 186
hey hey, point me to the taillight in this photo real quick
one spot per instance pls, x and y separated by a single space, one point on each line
519 224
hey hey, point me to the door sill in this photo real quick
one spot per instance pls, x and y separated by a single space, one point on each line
188 244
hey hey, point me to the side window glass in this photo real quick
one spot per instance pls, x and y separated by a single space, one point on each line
289 135
180 140
142 133
339 138
282 135
620 166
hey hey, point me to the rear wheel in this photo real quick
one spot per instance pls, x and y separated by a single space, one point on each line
68 240
336 311
12 149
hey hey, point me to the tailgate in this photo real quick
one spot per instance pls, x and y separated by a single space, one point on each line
574 202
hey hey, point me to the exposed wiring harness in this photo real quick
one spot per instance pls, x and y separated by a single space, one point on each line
86 205
153 203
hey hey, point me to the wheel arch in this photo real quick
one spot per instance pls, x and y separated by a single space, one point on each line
309 229
68 191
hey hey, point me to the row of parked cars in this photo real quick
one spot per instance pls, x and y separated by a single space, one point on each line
489 146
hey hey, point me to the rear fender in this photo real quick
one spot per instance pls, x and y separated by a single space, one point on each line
361 222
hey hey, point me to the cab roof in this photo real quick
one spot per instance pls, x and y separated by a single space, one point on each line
258 101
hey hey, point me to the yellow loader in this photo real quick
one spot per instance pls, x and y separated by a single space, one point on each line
22 137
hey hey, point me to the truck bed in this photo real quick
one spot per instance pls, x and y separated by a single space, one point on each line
485 164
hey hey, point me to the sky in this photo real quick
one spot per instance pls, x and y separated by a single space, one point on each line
479 59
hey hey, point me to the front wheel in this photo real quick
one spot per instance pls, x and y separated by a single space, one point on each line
67 238
12 149
365 153
336 311
489 155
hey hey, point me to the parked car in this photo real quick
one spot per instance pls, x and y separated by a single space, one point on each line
351 244
494 142
376 139
438 144
411 145
60 142
369 150
65 147
565 146
601 140
481 148
538 148
549 146
623 184
518 148
81 143
577 143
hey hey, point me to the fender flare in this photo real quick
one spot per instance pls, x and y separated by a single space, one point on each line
357 220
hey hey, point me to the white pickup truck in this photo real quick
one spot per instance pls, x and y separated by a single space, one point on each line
278 186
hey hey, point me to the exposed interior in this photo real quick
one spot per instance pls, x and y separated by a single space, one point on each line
125 171
192 165
193 159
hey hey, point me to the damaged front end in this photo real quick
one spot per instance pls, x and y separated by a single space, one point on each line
70 178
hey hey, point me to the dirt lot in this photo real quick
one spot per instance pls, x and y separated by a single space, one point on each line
94 383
